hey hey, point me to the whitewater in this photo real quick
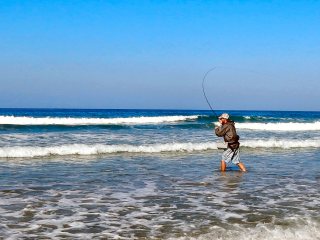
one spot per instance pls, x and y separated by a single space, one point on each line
280 126
96 149
12 120
71 121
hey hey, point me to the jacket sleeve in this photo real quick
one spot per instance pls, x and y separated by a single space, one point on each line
220 131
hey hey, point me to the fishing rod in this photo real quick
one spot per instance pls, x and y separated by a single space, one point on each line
204 92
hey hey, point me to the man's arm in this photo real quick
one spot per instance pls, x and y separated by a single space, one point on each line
220 131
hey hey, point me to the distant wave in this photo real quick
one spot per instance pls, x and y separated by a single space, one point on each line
11 120
70 121
248 119
281 143
291 126
95 149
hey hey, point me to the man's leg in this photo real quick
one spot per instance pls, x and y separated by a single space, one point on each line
242 167
223 166
236 160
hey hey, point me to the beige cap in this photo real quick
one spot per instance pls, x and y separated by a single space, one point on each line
224 115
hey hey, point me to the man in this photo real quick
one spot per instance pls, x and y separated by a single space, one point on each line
228 131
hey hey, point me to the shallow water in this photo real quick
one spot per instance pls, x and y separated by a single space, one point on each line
162 196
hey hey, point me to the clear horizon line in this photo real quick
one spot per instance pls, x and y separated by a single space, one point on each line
152 109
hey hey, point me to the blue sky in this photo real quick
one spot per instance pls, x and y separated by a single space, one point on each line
153 54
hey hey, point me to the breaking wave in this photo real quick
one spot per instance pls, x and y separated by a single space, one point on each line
95 149
281 143
291 126
11 120
82 149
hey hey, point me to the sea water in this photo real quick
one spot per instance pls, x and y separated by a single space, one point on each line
154 174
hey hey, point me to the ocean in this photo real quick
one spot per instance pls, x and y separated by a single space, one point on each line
154 174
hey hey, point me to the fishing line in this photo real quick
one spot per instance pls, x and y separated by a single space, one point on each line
237 69
204 92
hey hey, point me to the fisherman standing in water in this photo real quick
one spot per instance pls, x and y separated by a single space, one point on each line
228 131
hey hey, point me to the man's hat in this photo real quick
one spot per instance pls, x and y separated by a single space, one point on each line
224 115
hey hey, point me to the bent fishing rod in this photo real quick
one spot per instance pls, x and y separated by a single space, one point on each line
204 92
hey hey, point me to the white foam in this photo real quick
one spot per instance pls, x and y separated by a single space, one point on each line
11 120
83 149
290 126
281 143
132 205
305 229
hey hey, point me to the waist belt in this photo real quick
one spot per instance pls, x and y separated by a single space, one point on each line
233 145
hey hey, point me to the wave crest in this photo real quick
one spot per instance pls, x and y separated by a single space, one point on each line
281 143
291 126
11 120
95 149
82 149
